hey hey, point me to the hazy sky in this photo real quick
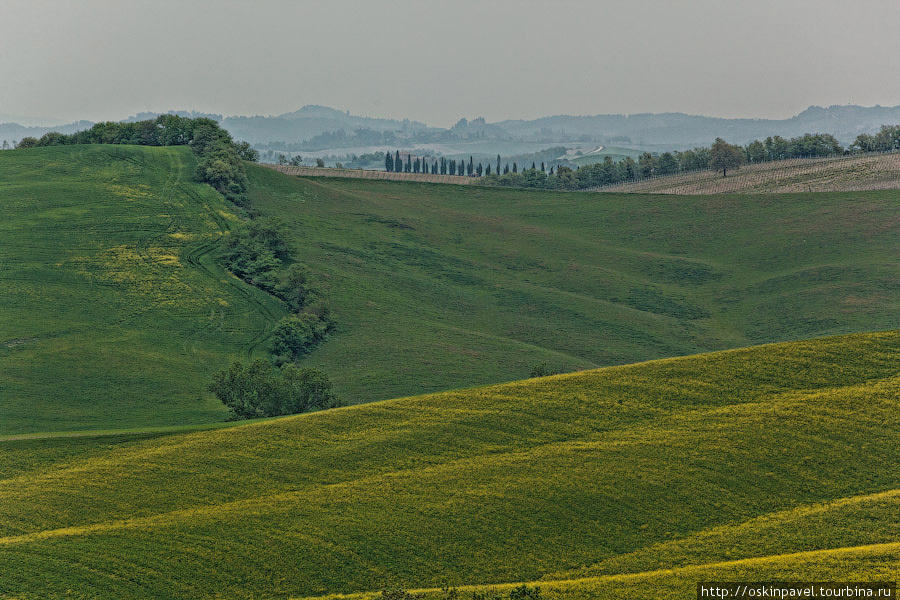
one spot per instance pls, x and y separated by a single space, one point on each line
435 61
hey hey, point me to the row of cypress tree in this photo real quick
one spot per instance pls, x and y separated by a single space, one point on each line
394 163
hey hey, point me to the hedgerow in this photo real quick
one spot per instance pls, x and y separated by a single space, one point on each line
255 252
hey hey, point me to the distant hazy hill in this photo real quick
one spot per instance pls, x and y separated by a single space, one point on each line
297 126
307 122
678 129
670 130
12 132
674 130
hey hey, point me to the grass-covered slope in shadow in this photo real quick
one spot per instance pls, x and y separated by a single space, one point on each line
605 473
113 313
439 286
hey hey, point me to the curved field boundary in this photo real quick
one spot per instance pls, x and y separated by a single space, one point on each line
840 174
361 174
674 582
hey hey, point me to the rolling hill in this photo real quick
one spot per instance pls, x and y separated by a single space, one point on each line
770 462
113 313
439 286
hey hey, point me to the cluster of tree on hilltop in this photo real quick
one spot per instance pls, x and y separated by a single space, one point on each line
219 157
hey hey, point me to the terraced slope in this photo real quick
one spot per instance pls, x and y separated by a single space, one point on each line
712 465
112 311
439 287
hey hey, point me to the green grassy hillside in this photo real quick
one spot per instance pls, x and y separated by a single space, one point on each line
868 563
439 287
600 482
112 312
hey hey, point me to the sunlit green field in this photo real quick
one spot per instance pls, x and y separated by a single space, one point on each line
631 481
439 286
870 563
113 313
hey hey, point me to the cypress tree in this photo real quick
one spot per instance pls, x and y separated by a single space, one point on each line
533 167
471 168
409 163
498 164
506 169
515 168
542 166
479 169
388 162
398 164
487 169
551 170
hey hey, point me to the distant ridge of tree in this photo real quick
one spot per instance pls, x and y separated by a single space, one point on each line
721 156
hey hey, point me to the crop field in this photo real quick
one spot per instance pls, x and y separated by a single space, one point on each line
113 287
438 287
364 174
769 462
112 312
841 174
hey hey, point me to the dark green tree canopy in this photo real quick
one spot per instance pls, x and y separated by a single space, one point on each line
260 389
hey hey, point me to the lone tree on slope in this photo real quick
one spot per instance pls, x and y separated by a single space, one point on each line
724 156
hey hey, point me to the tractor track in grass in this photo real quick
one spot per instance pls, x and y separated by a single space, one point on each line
197 254
195 258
